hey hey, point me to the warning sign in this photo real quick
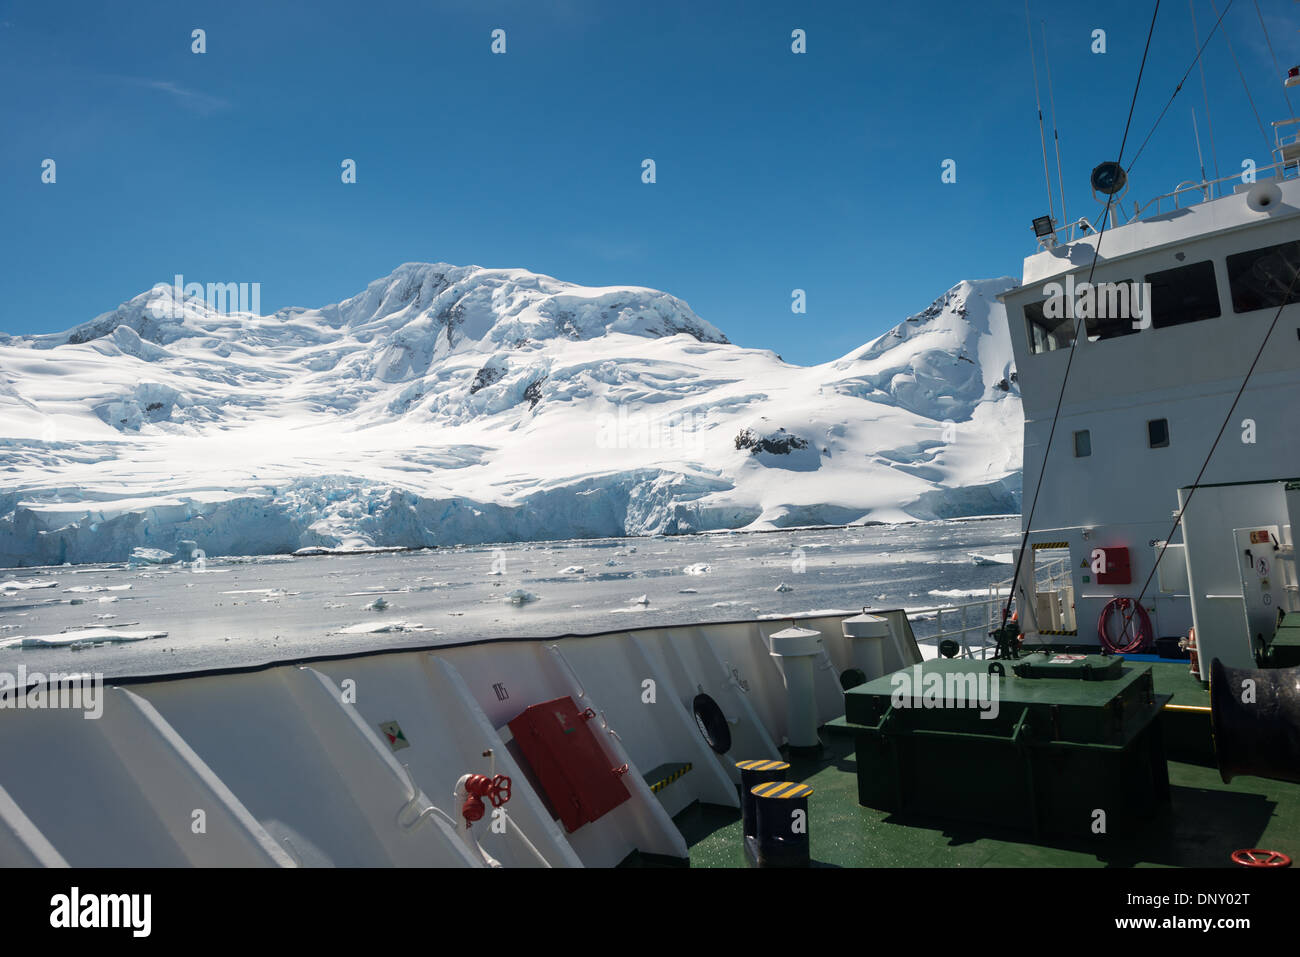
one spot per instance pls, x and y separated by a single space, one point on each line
1259 538
393 732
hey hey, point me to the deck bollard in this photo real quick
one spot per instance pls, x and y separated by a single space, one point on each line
782 838
752 774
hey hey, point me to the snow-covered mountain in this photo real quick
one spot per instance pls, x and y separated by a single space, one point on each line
448 405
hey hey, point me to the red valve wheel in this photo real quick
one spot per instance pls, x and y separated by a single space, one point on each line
500 791
478 787
1259 857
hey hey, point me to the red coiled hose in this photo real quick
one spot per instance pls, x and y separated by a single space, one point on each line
1143 635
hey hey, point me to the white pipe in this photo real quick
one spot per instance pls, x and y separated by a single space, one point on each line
801 701
527 843
797 648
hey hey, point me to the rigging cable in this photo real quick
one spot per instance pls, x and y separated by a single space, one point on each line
1264 133
1277 66
1105 219
1199 53
1042 136
1205 93
1056 137
1178 516
1200 158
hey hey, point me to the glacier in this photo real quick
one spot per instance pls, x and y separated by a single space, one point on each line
456 405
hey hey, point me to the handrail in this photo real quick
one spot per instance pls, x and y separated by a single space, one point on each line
1188 185
1053 575
1209 189
582 691
1206 186
559 655
1081 226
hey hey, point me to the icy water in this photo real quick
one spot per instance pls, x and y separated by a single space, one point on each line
248 611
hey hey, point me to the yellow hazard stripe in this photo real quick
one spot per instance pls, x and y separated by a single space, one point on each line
660 785
759 765
1050 545
781 789
1043 631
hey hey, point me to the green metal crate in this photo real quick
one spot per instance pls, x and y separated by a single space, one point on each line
1077 753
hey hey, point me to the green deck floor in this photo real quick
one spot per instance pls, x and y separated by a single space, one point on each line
1284 651
1205 821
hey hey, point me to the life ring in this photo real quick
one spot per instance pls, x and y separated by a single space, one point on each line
712 723
1140 640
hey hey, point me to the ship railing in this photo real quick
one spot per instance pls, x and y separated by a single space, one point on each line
1284 168
1067 233
1286 133
968 622
1287 153
1053 576
972 622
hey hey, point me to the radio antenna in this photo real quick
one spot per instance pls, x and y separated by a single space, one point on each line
1199 156
1042 135
1205 91
1051 97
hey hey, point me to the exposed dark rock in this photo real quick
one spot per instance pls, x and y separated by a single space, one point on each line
779 442
534 393
485 377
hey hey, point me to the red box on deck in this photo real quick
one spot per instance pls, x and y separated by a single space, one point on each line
572 768
1117 568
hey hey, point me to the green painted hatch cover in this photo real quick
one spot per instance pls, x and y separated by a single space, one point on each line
1078 667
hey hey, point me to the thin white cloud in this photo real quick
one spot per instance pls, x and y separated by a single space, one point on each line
194 100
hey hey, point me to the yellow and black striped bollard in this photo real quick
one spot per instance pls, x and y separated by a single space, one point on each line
753 773
782 838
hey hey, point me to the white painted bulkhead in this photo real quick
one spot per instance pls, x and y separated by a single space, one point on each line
289 766
1125 492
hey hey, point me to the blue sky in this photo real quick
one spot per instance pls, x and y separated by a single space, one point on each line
775 171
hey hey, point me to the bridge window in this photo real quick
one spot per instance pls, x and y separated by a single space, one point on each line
1158 433
1261 278
1115 308
1183 294
1082 444
1046 334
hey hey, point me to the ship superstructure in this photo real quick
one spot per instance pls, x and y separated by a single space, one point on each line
1172 313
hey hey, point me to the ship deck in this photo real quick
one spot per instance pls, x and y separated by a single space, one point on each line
1205 821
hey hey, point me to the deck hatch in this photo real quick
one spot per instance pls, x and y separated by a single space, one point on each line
999 743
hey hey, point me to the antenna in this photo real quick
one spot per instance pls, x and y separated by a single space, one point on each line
1051 97
1199 157
1205 93
1042 136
